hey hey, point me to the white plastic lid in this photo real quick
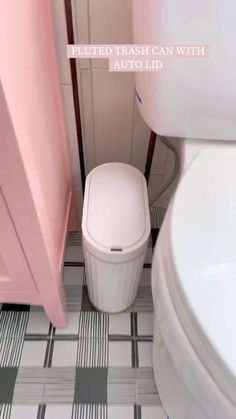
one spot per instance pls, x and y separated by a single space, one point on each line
116 211
203 244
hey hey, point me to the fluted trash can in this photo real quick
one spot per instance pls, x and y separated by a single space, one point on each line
115 234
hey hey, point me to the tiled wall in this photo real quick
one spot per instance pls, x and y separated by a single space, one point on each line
113 129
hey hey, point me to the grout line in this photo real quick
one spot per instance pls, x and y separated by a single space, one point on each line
133 358
49 348
41 411
137 412
146 338
147 265
99 68
135 319
75 337
134 330
55 338
71 264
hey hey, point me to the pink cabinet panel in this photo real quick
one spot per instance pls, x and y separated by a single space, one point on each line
35 177
14 270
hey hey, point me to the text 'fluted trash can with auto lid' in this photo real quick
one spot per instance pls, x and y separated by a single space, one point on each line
115 233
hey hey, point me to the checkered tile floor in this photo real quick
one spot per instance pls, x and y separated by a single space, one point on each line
99 367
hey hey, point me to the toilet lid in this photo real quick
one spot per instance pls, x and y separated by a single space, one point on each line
203 254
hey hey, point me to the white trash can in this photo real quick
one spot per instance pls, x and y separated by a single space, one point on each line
115 233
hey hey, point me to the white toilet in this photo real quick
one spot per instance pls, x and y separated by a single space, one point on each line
194 287
194 262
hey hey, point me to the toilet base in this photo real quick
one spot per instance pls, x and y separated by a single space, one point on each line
186 389
175 396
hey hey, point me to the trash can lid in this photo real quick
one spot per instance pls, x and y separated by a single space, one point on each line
116 211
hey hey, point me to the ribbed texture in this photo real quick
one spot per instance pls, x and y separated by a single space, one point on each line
36 385
85 411
112 287
12 331
5 411
93 341
132 386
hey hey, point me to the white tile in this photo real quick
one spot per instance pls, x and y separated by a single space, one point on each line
165 198
154 186
60 36
83 63
113 109
102 63
73 275
79 199
120 354
24 412
119 324
111 21
141 136
74 254
145 354
148 258
153 412
120 412
58 412
33 353
170 161
157 181
86 95
81 25
37 309
72 326
145 324
159 158
38 323
69 113
81 28
146 278
150 241
75 211
64 353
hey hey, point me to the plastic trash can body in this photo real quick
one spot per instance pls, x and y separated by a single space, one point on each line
115 234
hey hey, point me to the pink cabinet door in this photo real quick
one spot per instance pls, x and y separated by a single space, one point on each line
14 271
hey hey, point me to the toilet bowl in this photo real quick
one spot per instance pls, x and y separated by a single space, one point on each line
193 101
194 288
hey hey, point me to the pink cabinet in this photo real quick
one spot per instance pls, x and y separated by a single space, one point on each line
15 275
35 181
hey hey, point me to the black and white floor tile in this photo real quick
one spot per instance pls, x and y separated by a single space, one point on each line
98 367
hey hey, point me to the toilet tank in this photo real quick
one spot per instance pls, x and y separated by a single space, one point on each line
190 97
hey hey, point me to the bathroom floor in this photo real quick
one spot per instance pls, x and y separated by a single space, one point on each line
100 366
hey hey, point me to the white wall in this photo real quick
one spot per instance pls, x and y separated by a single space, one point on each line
113 130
